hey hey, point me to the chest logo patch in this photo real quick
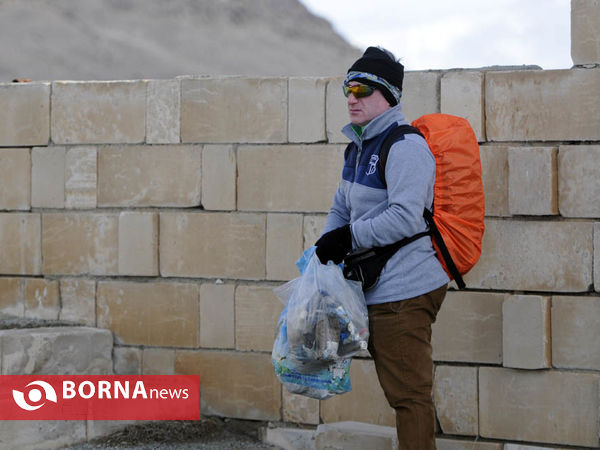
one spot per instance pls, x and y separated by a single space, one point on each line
372 165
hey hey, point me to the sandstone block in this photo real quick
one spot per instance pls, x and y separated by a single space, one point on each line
155 313
284 245
546 407
526 332
579 186
533 179
35 298
15 173
158 361
575 322
514 101
11 297
212 245
219 177
306 121
313 226
56 351
98 112
24 114
80 243
138 243
80 177
234 384
547 256
41 434
163 108
355 436
336 111
454 444
455 397
78 301
233 109
420 94
597 257
494 172
462 95
161 175
20 242
41 298
217 315
127 360
300 409
289 438
365 403
469 328
585 38
256 312
48 177
288 178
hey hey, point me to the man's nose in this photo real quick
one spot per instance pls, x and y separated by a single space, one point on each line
352 99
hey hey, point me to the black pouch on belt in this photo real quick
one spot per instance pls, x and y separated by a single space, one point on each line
365 265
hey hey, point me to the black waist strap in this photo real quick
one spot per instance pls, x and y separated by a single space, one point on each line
386 252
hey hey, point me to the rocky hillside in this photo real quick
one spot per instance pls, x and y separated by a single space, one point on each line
131 39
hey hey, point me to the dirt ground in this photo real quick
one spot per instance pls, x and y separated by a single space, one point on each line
212 433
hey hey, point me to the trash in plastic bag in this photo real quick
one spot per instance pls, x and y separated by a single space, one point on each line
331 378
324 323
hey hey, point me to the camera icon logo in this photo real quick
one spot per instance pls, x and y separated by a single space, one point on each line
34 396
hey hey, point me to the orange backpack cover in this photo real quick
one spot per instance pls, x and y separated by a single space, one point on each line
458 199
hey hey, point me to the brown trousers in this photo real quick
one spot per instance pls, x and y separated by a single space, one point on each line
400 343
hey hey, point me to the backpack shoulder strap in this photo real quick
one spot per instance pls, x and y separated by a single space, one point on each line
393 136
439 240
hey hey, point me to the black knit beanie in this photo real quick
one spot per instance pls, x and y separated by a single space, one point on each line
377 62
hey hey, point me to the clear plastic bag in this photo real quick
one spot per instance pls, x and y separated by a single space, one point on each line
331 378
324 323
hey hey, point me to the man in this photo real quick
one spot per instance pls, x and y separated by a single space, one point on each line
368 212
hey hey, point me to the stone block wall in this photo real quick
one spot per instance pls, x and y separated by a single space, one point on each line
165 211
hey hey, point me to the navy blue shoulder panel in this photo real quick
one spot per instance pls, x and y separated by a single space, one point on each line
367 171
349 162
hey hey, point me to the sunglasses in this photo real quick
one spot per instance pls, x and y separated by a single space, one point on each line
359 90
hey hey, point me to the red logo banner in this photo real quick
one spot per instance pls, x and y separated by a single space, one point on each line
99 397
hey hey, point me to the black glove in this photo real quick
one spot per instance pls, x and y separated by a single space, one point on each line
334 245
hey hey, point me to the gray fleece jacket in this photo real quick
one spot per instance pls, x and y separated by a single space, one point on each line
382 213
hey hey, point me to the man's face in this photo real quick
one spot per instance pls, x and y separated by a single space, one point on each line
364 109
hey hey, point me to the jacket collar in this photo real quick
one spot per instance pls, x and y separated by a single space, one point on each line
378 125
